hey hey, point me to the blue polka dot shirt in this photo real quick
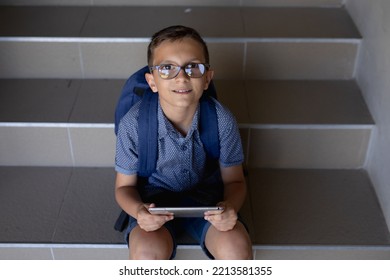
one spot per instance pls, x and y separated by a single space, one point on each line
181 159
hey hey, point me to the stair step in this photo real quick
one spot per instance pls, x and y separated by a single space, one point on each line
231 59
290 214
99 42
203 3
59 100
184 252
304 123
253 102
264 102
124 22
276 147
323 253
315 207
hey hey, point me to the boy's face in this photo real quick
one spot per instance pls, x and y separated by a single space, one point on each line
181 91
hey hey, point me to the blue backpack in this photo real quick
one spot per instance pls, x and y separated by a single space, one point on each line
135 89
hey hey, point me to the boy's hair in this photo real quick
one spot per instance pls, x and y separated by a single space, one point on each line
175 33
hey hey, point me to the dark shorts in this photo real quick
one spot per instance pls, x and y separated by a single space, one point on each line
194 227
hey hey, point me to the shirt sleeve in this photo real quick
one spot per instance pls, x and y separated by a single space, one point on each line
126 156
231 152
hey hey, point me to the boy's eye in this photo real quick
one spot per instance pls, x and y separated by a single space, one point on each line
167 70
192 65
166 67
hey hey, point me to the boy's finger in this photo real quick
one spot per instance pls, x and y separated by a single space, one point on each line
150 205
214 212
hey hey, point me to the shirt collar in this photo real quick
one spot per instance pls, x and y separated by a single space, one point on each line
165 126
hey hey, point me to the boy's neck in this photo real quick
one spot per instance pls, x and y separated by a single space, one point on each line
181 118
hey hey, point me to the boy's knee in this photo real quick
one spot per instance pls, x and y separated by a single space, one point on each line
147 254
238 250
156 245
232 245
147 251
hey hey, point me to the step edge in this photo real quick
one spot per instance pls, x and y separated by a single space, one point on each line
254 246
306 126
240 125
49 39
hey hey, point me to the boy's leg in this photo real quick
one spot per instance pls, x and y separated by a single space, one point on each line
145 245
229 245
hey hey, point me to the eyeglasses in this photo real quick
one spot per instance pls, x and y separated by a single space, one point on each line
170 71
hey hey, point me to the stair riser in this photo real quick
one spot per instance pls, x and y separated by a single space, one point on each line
308 148
276 148
268 59
57 146
124 22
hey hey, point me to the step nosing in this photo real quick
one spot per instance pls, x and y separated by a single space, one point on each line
50 39
241 125
54 125
384 247
62 245
54 39
306 126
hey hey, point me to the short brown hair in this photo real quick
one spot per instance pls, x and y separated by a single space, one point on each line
175 33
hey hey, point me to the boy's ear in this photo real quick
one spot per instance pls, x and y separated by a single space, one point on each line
150 79
208 77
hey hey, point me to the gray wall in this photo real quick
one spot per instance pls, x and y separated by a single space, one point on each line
373 76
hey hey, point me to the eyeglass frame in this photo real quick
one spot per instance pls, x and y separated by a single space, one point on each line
156 67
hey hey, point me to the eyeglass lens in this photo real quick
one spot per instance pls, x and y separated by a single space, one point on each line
192 70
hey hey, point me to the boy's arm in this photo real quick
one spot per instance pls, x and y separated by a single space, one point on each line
234 186
234 197
129 200
126 194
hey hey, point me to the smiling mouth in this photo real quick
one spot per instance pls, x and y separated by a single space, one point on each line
182 91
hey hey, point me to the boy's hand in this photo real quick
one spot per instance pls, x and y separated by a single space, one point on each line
224 221
149 222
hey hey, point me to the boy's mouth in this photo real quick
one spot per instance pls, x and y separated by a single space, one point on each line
182 91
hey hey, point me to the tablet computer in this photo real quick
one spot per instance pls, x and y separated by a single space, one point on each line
184 211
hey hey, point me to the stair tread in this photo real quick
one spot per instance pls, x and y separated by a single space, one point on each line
284 207
119 22
253 102
313 207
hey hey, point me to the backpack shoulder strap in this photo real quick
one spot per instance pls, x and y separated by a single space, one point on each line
209 127
148 134
147 143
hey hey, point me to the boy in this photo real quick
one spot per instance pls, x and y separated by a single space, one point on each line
179 71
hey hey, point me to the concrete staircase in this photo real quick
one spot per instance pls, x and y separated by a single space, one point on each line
285 69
